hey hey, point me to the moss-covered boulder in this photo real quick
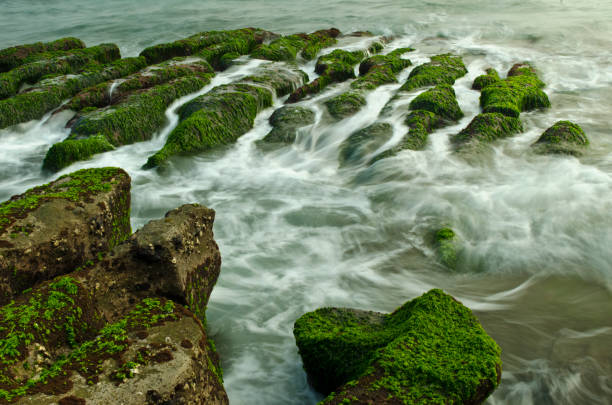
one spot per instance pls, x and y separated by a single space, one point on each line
53 229
286 121
225 113
564 137
441 101
228 41
430 350
381 69
59 62
334 67
134 120
446 243
288 47
115 91
442 69
345 105
520 91
51 92
15 56
364 142
483 81
486 128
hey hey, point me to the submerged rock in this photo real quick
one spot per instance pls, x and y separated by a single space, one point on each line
364 142
564 137
442 69
55 228
446 242
50 93
430 350
520 91
345 105
334 67
15 56
54 63
286 121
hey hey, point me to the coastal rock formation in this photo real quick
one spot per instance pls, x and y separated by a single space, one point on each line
118 328
486 128
564 137
55 228
286 121
15 56
430 350
442 69
287 48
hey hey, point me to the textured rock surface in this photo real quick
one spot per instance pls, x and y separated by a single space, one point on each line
564 137
53 229
442 69
430 350
286 121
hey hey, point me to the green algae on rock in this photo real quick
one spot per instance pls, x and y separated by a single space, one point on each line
441 101
54 228
564 137
57 63
134 120
334 67
287 48
345 105
431 350
226 112
486 128
15 56
446 241
50 93
483 81
364 142
442 69
286 121
520 91
100 94
234 39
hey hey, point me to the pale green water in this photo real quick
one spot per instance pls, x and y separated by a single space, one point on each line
297 233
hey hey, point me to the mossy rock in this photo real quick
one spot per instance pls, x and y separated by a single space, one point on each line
334 67
279 77
381 69
440 100
287 48
364 142
134 120
285 123
228 41
52 229
446 243
15 56
58 62
483 81
442 69
564 137
216 118
345 105
521 91
50 93
486 128
430 350
99 95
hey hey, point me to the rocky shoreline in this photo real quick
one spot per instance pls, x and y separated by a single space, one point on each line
92 313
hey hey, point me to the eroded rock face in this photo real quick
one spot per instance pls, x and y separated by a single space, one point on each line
430 350
118 331
53 229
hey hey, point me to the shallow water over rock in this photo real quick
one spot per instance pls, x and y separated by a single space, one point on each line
297 231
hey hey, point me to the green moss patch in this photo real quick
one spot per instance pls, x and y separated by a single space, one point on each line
287 48
440 100
431 350
483 81
73 187
15 56
72 61
345 104
285 123
442 69
564 137
50 93
486 128
520 91
446 242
